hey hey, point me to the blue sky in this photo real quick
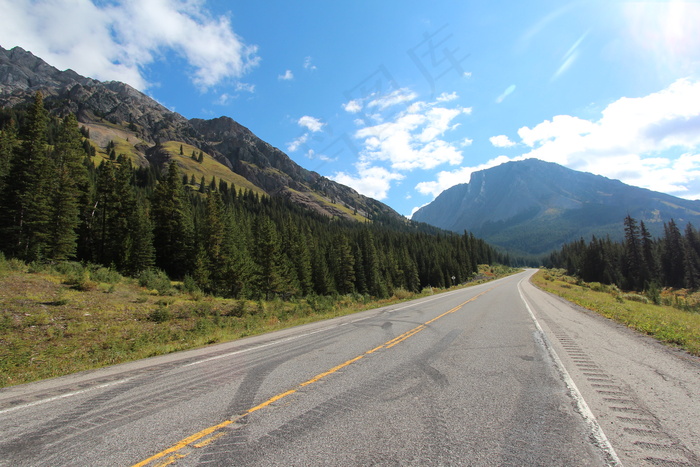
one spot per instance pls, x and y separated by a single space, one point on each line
402 99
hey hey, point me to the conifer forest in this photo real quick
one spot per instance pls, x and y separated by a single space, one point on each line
57 204
639 262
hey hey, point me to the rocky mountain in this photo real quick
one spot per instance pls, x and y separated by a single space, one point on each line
147 132
533 207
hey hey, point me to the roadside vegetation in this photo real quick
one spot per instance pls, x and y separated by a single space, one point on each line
67 317
669 315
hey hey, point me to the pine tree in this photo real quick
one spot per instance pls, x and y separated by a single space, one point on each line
69 185
267 255
650 259
173 230
140 251
673 256
324 283
27 197
8 147
634 268
211 260
297 250
342 263
692 257
370 265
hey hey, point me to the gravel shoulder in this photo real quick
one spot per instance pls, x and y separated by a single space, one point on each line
645 395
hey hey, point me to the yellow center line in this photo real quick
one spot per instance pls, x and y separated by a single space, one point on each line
190 440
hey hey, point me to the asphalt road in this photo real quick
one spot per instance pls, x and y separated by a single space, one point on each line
497 374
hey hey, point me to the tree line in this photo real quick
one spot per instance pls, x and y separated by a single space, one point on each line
57 205
639 262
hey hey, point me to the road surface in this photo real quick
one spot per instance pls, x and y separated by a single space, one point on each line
496 374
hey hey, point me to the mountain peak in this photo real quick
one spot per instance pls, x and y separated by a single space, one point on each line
533 206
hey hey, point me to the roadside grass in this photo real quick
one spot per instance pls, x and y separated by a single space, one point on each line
675 320
63 318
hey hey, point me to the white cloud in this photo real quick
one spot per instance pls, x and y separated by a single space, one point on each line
245 87
372 180
296 144
312 124
501 141
308 65
287 76
633 141
398 96
411 139
465 142
447 97
117 41
353 106
224 99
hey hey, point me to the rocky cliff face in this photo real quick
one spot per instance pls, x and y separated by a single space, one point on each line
22 75
533 206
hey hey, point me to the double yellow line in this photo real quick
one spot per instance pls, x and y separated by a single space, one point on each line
172 454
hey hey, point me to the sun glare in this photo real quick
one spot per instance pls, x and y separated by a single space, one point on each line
668 31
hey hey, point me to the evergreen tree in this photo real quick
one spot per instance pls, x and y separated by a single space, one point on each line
673 256
297 250
342 263
69 185
173 229
8 147
211 261
140 253
272 266
692 257
634 267
324 283
27 197
648 255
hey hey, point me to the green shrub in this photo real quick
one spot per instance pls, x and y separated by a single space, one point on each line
106 275
38 267
155 279
189 285
653 292
402 293
238 309
634 297
160 315
76 275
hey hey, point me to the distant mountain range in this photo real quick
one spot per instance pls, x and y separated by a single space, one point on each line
533 207
139 127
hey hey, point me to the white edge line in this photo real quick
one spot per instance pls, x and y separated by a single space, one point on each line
63 396
581 405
